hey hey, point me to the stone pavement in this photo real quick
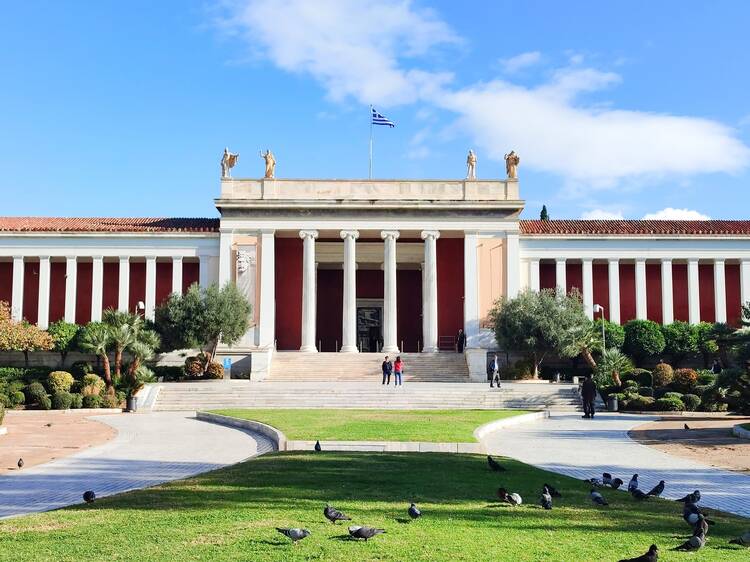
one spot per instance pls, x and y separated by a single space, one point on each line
149 449
567 444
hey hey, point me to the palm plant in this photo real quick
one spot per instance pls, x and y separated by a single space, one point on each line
123 328
97 338
141 349
584 339
612 364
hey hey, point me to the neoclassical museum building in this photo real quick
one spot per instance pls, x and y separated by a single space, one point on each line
372 265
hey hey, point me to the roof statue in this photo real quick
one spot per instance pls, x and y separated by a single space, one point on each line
270 163
228 160
471 166
511 165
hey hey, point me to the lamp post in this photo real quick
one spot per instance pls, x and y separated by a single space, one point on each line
599 308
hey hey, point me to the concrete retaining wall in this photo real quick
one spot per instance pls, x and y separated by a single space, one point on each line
483 430
741 432
278 438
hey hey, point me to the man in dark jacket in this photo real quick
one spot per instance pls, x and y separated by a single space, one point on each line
460 340
387 370
588 394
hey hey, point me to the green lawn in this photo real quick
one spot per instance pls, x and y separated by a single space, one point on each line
230 514
745 426
446 426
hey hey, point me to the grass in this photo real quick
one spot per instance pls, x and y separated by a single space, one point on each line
446 426
745 426
230 514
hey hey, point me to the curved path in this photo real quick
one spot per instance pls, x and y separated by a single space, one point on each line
149 449
581 448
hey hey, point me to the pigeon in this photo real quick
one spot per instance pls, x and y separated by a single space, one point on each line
414 512
511 498
494 465
742 540
20 464
318 448
333 514
638 494
692 515
366 533
701 526
48 424
616 483
693 497
633 483
693 543
552 491
651 556
546 499
657 490
687 427
597 498
294 534
89 496
595 482
606 478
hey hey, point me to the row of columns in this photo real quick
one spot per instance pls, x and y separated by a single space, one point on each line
667 300
97 286
349 316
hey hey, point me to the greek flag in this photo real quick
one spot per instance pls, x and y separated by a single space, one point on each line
378 119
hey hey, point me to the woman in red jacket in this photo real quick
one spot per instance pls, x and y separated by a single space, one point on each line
398 368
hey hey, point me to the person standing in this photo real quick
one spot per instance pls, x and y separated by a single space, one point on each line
716 368
460 340
588 394
494 371
387 370
398 369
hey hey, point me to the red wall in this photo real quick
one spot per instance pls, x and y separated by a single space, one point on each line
680 291
574 277
627 292
653 292
601 286
450 285
734 303
547 275
288 257
163 280
31 291
84 273
137 288
370 284
706 291
330 307
111 285
190 274
56 291
409 306
6 281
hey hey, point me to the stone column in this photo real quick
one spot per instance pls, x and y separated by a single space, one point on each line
225 257
177 275
16 305
667 294
720 291
430 297
309 290
614 290
97 287
203 261
71 284
561 281
694 297
390 335
123 286
534 274
512 265
150 287
267 313
641 307
349 316
587 267
43 305
471 290
744 280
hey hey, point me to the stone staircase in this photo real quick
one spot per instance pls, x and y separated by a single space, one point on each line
368 395
295 366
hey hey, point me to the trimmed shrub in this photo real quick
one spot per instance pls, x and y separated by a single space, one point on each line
4 400
669 405
36 393
646 391
169 372
214 370
701 389
62 400
17 398
672 395
631 384
91 400
644 377
36 374
691 402
728 377
92 385
643 339
662 374
11 373
640 403
81 368
59 381
706 377
110 401
685 379
76 401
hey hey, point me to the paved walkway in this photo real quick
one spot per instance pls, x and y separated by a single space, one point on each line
149 449
569 445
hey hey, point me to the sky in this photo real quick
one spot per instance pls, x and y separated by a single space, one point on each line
617 110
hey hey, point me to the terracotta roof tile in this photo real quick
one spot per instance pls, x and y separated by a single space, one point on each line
62 224
636 227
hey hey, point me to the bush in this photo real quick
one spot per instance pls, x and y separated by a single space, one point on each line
168 372
640 403
669 405
36 393
662 374
11 373
672 395
691 402
630 384
643 339
91 400
92 385
685 379
17 398
4 400
701 389
706 377
76 401
520 370
714 399
214 370
81 368
613 333
644 377
646 391
110 401
728 377
680 340
59 381
2 412
193 367
62 400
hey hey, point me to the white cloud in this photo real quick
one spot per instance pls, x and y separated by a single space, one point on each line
518 62
676 214
602 215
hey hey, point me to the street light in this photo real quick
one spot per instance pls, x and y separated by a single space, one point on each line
599 308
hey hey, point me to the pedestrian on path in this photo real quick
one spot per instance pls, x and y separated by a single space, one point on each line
494 371
387 370
588 394
460 340
398 369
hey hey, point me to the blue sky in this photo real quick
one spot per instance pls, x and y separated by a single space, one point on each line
617 109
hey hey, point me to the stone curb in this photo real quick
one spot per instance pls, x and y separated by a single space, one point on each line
69 411
483 430
741 432
3 430
666 414
277 437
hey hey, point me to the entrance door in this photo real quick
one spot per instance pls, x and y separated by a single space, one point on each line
370 328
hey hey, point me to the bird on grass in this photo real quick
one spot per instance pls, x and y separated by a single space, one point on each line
692 515
657 490
616 483
695 542
742 540
89 496
595 482
693 497
20 464
414 511
511 498
357 532
294 533
687 427
318 448
494 465
651 556
546 499
633 483
552 491
638 494
597 498
333 514
606 478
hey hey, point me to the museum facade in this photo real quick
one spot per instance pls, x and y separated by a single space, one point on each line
373 265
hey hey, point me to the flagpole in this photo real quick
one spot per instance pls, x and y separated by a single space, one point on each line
369 175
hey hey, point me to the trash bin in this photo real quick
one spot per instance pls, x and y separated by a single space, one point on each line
557 377
612 403
131 404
